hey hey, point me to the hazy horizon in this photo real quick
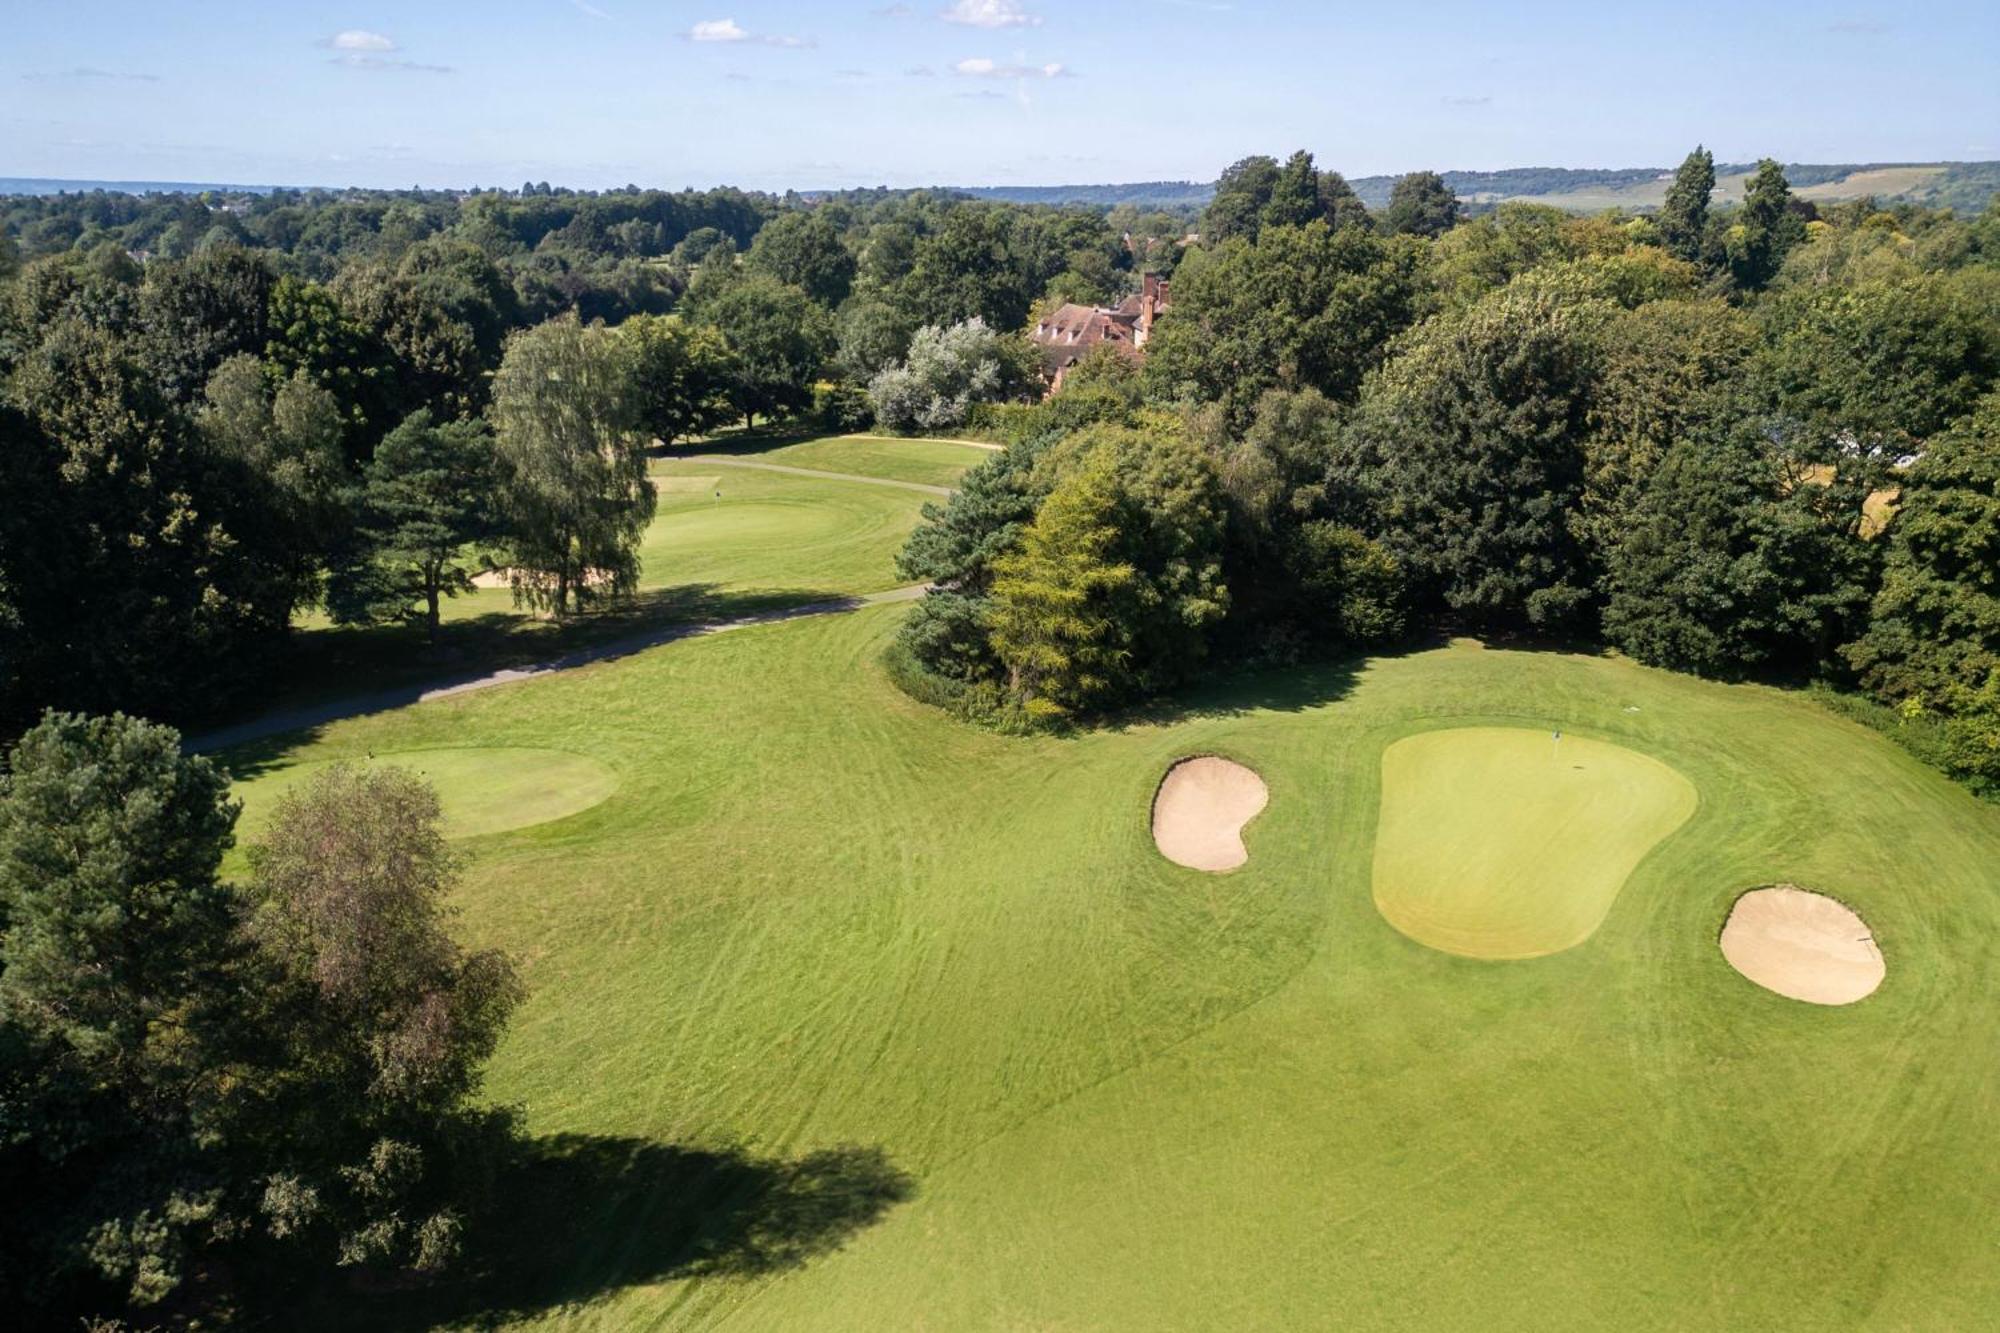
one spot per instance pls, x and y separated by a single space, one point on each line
775 94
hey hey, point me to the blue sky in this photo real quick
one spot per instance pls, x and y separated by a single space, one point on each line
776 93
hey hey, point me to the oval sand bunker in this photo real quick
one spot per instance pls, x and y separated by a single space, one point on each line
1802 945
1200 810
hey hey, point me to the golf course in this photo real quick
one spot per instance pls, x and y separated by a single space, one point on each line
843 1014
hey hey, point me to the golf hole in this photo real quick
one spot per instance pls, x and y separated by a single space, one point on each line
1802 945
1200 810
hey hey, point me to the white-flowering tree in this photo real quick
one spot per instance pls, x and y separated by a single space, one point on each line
946 372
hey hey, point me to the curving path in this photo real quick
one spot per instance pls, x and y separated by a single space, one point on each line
381 701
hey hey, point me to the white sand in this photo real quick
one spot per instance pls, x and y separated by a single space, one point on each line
1803 945
1200 810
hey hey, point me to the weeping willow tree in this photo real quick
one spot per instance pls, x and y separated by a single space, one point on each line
579 501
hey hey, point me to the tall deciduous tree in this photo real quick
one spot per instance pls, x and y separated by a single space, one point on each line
578 497
804 250
681 376
1472 443
1729 569
780 339
1421 204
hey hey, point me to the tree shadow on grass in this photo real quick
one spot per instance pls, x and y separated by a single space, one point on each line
339 672
578 1217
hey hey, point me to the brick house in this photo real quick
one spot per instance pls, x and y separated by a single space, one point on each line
1069 332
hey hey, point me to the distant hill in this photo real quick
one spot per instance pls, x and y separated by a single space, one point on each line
46 185
1965 186
1144 194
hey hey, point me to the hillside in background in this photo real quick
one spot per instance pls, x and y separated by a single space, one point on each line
1965 186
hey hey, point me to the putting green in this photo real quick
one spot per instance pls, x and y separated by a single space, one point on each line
1499 842
482 789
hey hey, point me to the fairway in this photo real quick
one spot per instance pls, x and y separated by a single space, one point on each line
1498 842
926 462
925 1008
481 789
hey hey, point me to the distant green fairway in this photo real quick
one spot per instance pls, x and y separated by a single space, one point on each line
847 1016
482 789
928 462
1497 842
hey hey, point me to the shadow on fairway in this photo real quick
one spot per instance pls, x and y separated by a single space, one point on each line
582 1216
1291 689
336 672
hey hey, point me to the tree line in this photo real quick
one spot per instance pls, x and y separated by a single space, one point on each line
1749 442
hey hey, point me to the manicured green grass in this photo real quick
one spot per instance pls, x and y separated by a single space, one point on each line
1500 842
481 789
771 540
928 462
845 1016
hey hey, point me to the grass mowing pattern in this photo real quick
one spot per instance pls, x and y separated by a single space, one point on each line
482 790
819 924
1498 842
928 462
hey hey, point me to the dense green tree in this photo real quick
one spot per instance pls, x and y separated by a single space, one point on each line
287 444
1764 230
1300 307
429 507
1683 217
1729 569
116 944
869 334
779 338
1056 619
1350 588
1339 204
1471 443
146 570
1421 204
1242 193
196 313
1669 368
1932 643
1294 198
311 334
804 250
1877 366
682 375
966 268
578 499
434 359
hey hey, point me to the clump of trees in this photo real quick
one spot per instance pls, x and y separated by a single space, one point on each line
1742 441
946 373
277 1073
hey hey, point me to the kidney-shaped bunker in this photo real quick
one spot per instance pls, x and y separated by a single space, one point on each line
1200 810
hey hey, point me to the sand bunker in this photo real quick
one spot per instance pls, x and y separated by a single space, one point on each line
1200 810
1803 945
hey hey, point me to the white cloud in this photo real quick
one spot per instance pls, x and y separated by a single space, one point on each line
359 39
590 9
729 30
384 65
990 14
979 67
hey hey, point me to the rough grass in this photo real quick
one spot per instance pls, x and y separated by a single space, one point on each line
1500 842
847 1016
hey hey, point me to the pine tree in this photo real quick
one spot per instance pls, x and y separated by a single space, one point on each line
1683 218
